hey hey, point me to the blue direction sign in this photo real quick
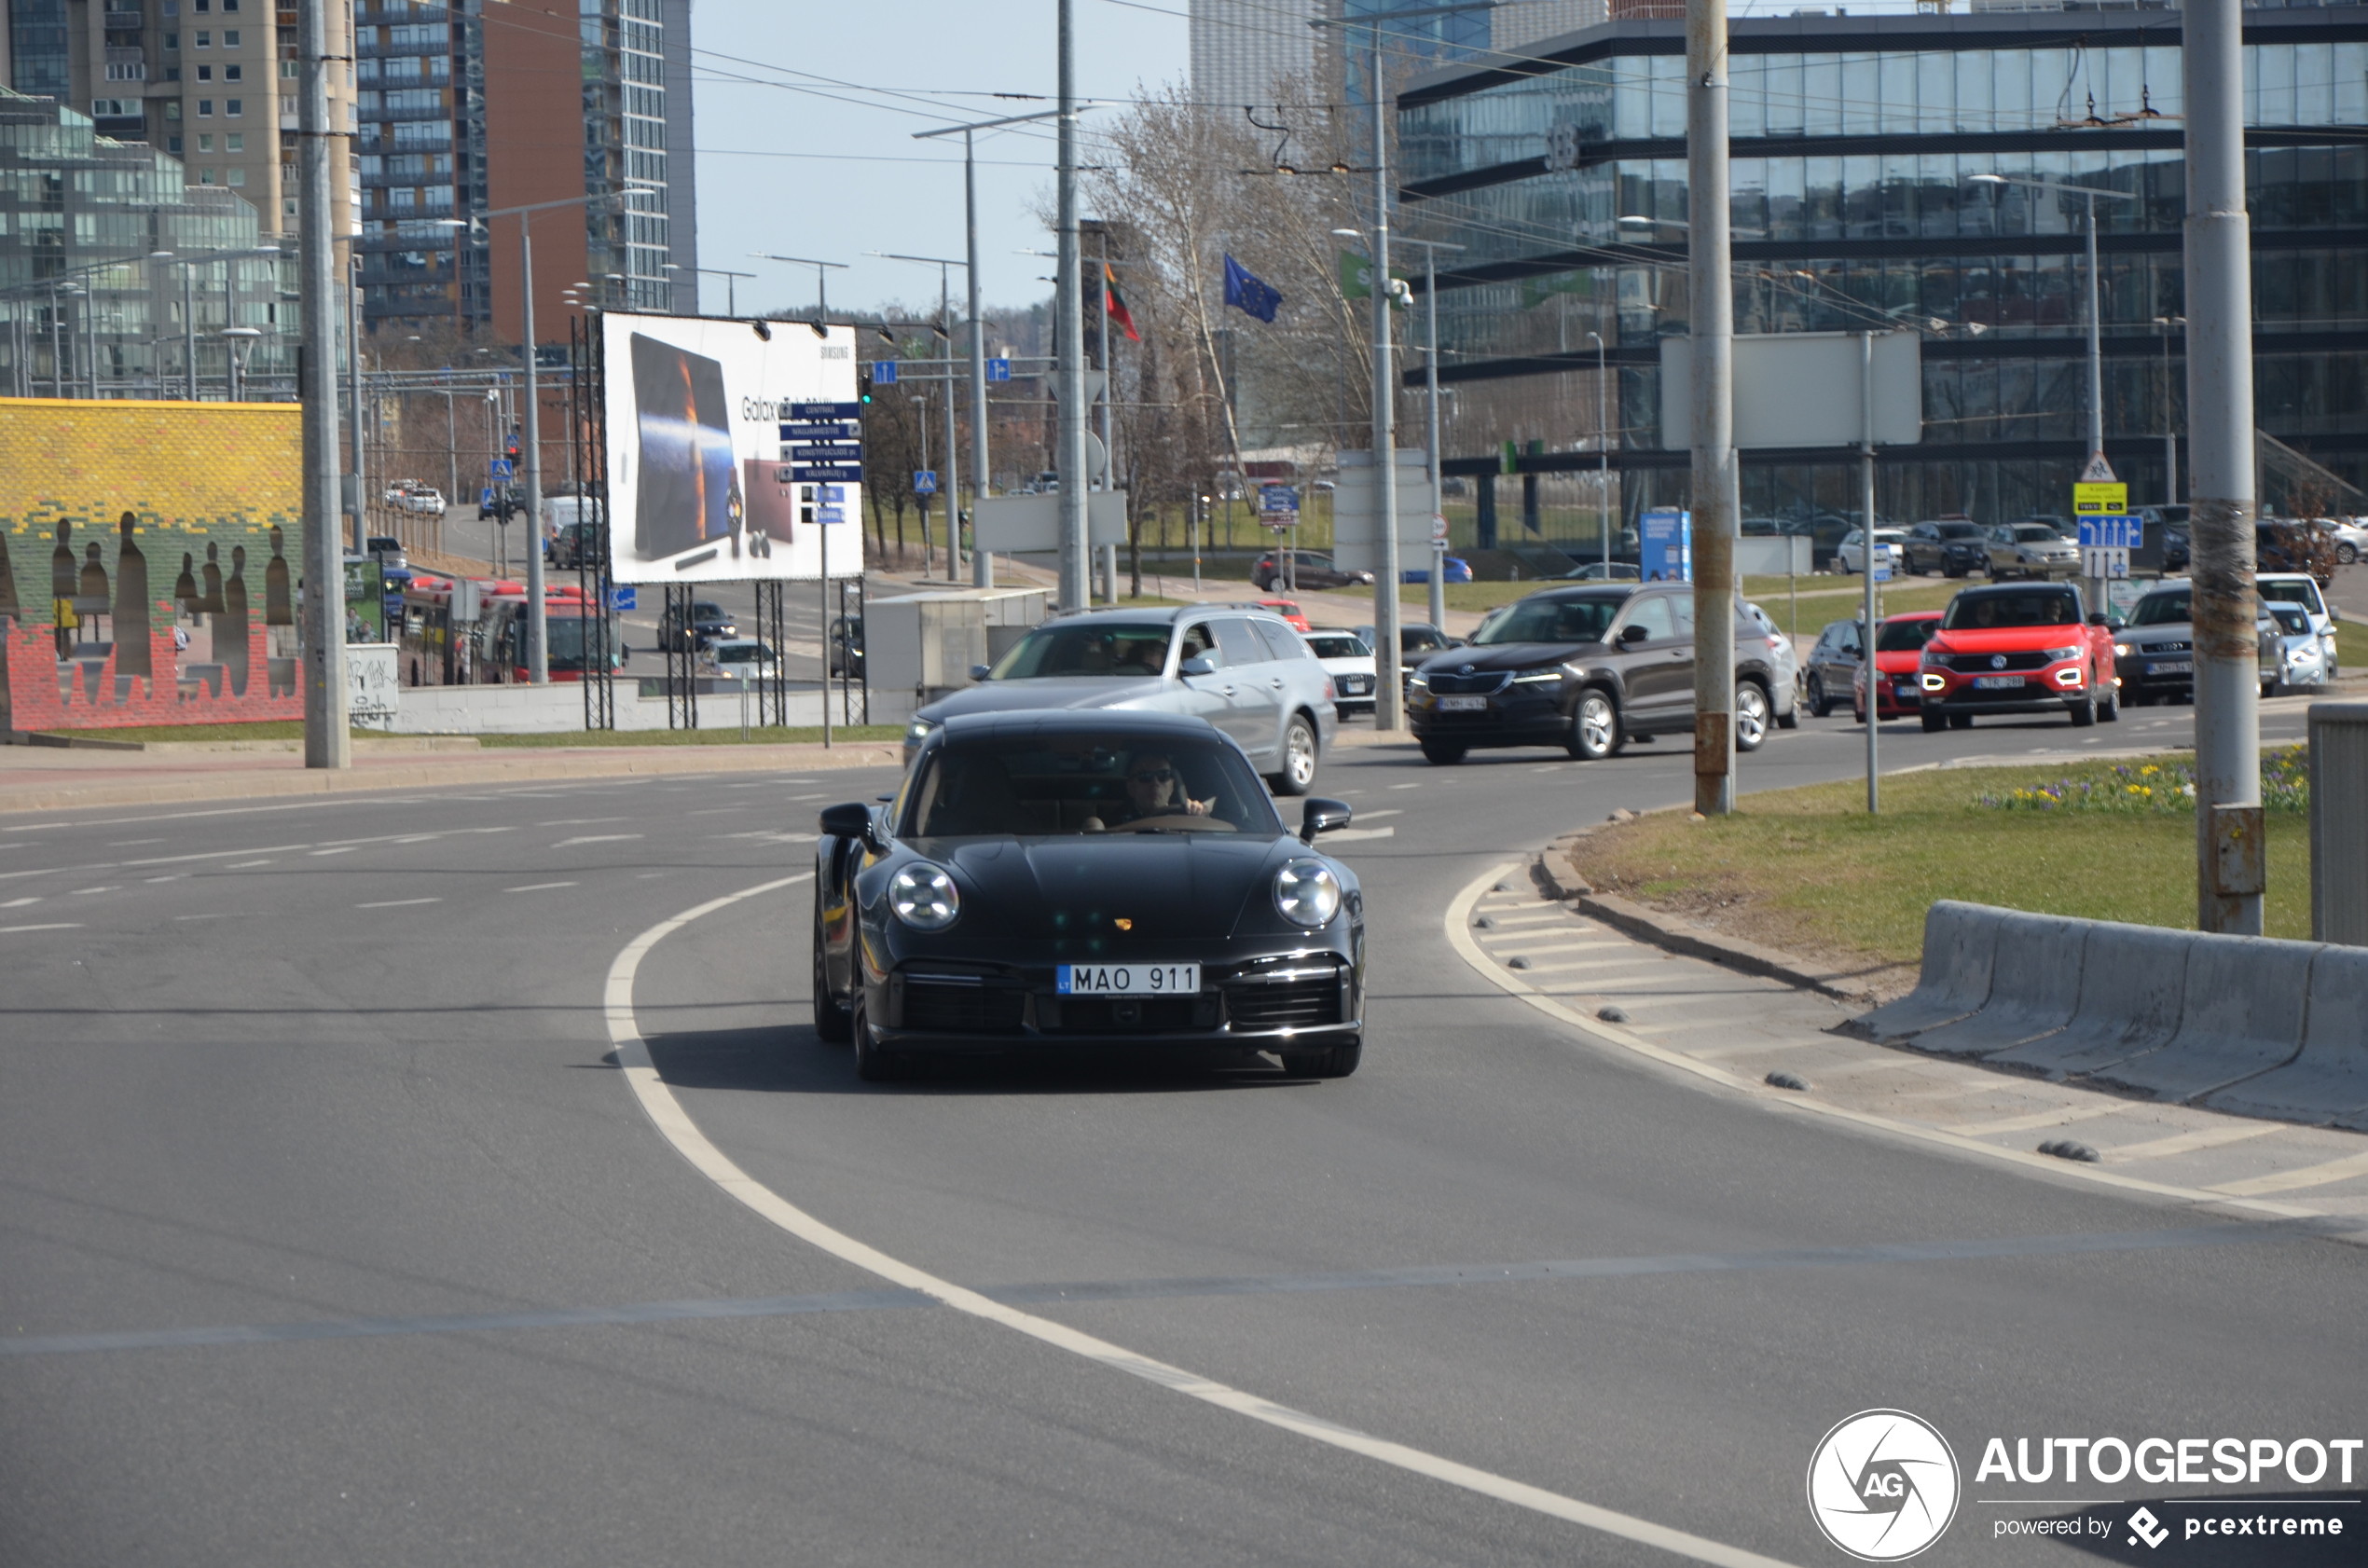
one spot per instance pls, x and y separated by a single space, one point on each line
502 469
884 372
998 370
834 473
2111 533
622 596
925 481
825 411
823 430
842 452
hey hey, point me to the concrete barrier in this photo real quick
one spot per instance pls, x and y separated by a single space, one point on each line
2132 984
2240 1014
2034 985
1960 942
2328 1081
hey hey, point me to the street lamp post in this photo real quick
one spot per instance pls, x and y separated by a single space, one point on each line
242 341
822 270
731 296
1430 386
1603 456
2171 430
950 487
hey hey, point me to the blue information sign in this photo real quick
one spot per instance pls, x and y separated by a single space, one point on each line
849 473
884 372
848 452
998 370
925 481
1666 546
502 469
826 410
622 596
2111 533
823 430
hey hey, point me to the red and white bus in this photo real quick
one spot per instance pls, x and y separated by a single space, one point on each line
492 650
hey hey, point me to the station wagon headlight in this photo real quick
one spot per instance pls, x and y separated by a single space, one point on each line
924 897
918 731
1307 893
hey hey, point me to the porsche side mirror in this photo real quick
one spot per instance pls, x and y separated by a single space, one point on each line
1321 816
2099 618
852 820
1634 634
980 673
1196 665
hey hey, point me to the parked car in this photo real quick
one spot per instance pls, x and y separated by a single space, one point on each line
2298 588
2031 549
1115 882
1287 610
1308 570
2304 663
1455 568
2154 652
2171 523
740 658
1899 649
707 623
1850 554
1831 667
2019 648
1600 572
2288 544
387 551
1586 668
1952 546
2351 539
1242 670
1349 661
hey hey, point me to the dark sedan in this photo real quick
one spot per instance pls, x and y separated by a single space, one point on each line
1116 883
1952 546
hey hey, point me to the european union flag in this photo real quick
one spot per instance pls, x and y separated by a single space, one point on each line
1248 293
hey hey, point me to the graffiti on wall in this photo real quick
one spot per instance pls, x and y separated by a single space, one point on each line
166 527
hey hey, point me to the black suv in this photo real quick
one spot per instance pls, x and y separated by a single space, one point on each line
1952 546
708 623
1308 570
1586 668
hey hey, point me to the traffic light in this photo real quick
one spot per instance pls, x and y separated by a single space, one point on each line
511 449
863 382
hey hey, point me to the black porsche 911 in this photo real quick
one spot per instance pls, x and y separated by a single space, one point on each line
1116 882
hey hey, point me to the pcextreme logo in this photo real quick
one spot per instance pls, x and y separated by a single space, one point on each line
1883 1485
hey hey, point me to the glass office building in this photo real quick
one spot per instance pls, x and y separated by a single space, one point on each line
1858 202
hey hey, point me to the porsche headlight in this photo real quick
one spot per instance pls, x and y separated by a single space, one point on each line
1307 893
924 897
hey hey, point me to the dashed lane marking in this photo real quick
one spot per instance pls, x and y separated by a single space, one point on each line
676 1126
53 926
538 887
397 904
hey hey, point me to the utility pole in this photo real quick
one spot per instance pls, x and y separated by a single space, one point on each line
951 489
353 366
327 741
1430 386
1070 341
2229 883
1866 661
538 647
1603 456
1716 486
1389 687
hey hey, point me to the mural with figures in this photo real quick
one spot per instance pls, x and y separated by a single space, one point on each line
150 559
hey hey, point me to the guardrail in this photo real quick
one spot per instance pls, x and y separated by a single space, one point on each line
2248 1025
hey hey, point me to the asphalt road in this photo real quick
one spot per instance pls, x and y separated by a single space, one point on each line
335 1234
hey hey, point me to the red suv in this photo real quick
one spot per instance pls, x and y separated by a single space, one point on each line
2020 648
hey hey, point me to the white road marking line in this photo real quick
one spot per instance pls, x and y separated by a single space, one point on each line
245 864
221 916
341 849
1406 786
579 821
594 838
2188 1143
1345 836
538 887
35 827
1529 917
1368 816
1459 914
134 842
80 891
1721 1053
397 904
2307 1176
18 903
675 1125
170 876
60 925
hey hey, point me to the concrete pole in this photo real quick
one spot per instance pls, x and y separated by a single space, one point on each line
2096 383
538 646
1866 558
2220 467
1430 386
1716 480
982 561
190 333
1109 386
327 741
1069 342
1603 456
354 366
951 488
1389 691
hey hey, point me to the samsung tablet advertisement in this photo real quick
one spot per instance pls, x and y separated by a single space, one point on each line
731 450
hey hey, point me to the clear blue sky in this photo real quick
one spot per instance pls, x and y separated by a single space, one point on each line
907 64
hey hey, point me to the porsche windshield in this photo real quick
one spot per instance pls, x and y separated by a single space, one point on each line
1550 619
1095 649
1088 785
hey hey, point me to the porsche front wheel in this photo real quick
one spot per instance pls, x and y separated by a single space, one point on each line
872 1064
830 1017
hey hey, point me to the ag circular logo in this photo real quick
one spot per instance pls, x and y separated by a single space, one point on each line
1883 1485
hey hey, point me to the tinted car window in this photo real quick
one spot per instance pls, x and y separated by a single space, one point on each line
1652 613
1280 642
1337 645
2031 607
1035 785
2034 534
1420 640
2290 617
1959 530
1550 619
1200 643
1682 607
1240 646
1087 648
2162 609
1904 637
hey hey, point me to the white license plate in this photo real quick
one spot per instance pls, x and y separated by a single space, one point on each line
1463 705
2172 666
1997 682
1128 980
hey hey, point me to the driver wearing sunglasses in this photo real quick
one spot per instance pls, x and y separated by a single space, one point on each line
1153 789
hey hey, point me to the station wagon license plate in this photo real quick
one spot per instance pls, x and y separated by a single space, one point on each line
1127 980
1463 705
1997 682
2171 666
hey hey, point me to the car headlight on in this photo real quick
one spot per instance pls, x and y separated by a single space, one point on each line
2057 655
924 897
1307 893
1933 683
1414 678
918 731
1537 677
2121 650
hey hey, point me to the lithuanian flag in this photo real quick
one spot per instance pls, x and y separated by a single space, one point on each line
1114 304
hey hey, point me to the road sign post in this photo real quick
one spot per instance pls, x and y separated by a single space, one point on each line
2096 496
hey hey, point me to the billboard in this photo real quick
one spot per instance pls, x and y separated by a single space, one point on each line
733 445
1804 389
150 558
